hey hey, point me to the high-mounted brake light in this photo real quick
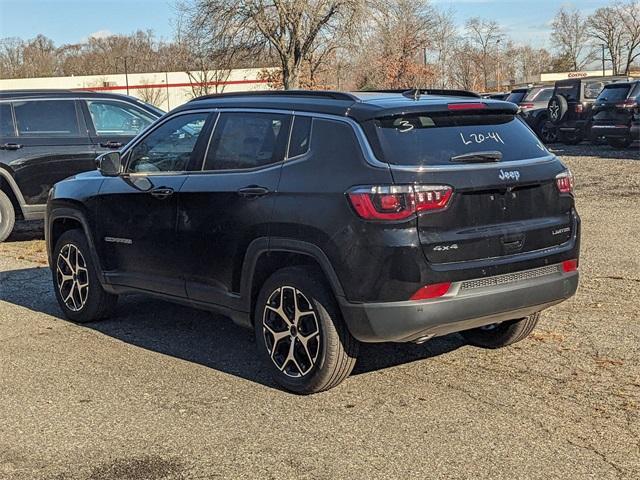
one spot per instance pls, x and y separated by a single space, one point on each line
570 266
397 202
431 291
467 106
564 182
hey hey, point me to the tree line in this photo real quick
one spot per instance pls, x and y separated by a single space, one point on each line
342 44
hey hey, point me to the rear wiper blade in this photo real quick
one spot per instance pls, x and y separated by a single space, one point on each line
478 157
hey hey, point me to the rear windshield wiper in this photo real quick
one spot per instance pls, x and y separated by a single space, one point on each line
478 157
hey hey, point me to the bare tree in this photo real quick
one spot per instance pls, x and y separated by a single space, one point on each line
444 38
630 17
570 36
606 28
291 28
153 95
485 36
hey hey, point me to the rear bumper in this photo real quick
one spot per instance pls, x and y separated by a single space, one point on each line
617 131
468 304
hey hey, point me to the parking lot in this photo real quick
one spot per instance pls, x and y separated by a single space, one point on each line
166 392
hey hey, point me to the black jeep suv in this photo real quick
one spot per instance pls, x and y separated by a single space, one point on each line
616 114
48 135
324 219
570 107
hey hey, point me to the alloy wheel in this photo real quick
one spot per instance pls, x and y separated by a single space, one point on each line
72 277
291 331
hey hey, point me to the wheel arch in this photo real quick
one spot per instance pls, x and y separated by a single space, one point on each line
69 217
266 256
9 186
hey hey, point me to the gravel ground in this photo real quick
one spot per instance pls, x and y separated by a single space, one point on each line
166 392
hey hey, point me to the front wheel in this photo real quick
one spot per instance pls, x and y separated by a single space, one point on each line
300 332
7 216
623 142
75 280
500 335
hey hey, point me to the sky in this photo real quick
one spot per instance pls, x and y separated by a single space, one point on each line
71 21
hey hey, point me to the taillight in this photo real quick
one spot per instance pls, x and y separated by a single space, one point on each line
467 106
629 103
431 291
579 108
524 106
570 266
397 202
564 182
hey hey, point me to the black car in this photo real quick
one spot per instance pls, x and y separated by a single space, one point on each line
533 110
325 219
616 114
48 135
570 107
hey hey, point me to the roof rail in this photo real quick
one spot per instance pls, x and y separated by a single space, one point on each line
284 93
427 91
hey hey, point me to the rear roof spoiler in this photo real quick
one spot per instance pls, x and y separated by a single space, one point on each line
427 91
363 112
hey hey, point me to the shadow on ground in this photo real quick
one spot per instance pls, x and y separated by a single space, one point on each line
596 151
194 335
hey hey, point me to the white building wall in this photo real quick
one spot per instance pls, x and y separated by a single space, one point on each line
172 88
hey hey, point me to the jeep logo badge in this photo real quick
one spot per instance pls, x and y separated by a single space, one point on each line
509 175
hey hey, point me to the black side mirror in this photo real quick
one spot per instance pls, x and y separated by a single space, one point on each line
109 164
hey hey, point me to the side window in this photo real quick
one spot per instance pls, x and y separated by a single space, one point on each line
247 140
118 118
56 118
300 136
593 89
169 147
636 91
7 128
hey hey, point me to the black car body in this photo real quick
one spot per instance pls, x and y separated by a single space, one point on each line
398 217
533 110
570 107
48 135
616 114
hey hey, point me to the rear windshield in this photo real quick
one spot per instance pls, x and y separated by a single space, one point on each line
432 139
539 95
593 89
613 93
516 97
570 91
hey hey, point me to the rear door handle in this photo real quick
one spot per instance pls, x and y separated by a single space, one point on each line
111 144
162 192
10 146
253 191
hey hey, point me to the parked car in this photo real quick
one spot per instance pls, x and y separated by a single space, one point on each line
570 107
616 114
533 110
516 95
48 135
325 219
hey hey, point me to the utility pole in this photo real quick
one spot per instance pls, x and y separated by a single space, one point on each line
126 74
166 81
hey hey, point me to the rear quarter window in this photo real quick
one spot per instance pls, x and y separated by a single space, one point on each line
433 139
613 93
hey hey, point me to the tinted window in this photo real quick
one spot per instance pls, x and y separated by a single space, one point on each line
613 93
300 136
118 118
539 95
516 97
570 91
636 90
6 120
247 140
432 139
46 118
169 147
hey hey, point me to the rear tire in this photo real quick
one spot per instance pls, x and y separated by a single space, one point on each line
300 332
619 142
547 131
75 280
501 334
7 216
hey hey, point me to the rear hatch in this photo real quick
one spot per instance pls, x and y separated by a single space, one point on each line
611 106
505 198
